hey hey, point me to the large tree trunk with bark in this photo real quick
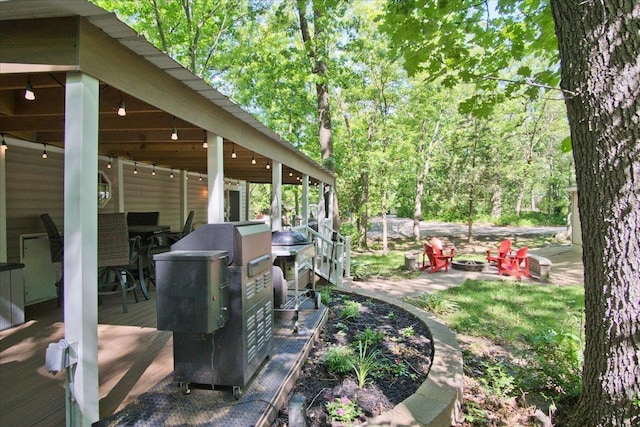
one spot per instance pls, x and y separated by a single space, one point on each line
599 49
319 67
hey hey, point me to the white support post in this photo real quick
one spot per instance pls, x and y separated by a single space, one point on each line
321 211
119 184
215 173
331 207
184 192
247 201
305 200
80 245
276 196
3 202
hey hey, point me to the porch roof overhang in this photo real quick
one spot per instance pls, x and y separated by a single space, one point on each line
43 40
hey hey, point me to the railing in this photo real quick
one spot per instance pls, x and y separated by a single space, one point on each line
333 252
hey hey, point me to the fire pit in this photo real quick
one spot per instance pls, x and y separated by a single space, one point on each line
469 265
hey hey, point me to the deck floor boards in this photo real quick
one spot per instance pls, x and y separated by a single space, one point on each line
132 357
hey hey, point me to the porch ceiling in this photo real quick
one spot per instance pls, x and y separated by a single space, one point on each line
143 135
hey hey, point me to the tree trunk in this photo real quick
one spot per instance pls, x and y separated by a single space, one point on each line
319 67
599 45
424 153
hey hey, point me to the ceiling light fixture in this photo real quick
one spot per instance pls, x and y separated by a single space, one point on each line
290 173
200 178
109 164
205 145
4 143
29 94
174 133
233 151
268 164
135 168
44 152
171 174
153 170
121 110
253 159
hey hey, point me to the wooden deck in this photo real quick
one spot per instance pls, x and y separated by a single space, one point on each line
132 357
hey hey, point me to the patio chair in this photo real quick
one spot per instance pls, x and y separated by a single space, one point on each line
117 257
516 265
56 246
503 250
437 257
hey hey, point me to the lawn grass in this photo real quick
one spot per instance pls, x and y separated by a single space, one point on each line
511 313
541 324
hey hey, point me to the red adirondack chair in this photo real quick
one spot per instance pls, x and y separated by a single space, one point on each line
437 258
515 265
503 250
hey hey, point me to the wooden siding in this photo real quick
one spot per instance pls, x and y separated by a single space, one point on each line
144 192
197 198
34 186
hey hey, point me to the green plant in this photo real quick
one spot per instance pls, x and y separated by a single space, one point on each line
351 310
496 380
325 294
368 337
392 316
360 270
339 359
408 332
435 303
343 409
365 364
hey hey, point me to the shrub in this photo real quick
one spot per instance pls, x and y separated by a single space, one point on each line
368 337
343 409
434 303
365 364
351 310
339 359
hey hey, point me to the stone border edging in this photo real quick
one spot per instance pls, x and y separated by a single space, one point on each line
438 400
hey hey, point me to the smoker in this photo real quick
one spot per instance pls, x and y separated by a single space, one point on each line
295 256
214 291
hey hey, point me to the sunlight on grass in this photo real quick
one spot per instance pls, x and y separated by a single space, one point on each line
509 313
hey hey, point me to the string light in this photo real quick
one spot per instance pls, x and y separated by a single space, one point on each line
153 170
44 152
109 164
171 174
253 159
205 145
135 168
29 94
233 151
174 133
121 110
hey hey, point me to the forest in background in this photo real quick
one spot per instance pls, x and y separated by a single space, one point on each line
413 145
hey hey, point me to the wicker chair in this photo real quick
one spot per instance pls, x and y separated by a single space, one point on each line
117 257
56 245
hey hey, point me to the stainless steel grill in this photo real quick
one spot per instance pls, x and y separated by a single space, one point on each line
223 341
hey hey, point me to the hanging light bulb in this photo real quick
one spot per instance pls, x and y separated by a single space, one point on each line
109 164
153 170
269 164
29 94
44 152
121 110
253 159
135 168
174 133
171 174
233 151
4 143
290 173
200 178
205 145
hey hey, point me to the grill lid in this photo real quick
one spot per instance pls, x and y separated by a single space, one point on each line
288 238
